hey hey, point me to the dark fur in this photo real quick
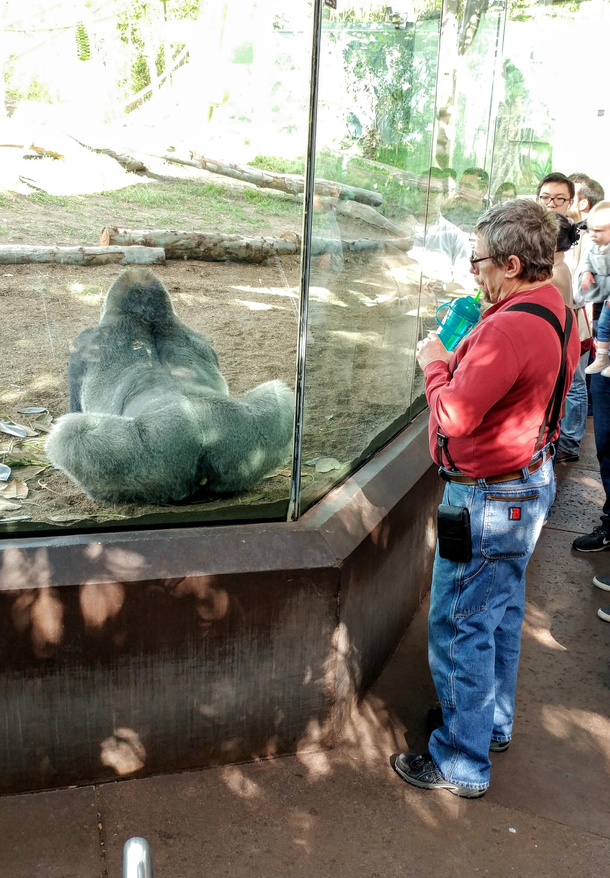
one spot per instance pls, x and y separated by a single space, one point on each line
151 412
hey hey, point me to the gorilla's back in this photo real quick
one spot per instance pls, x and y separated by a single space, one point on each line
169 419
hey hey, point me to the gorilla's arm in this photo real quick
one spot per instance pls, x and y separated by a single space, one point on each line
84 352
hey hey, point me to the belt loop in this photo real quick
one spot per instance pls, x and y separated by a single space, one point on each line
525 473
481 483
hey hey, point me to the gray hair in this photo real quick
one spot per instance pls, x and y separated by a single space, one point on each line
521 228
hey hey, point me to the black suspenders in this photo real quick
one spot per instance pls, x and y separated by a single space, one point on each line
553 409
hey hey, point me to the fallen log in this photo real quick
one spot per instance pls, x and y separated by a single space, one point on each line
213 247
373 217
13 254
292 184
207 246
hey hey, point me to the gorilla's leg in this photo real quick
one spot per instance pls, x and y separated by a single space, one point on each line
244 440
150 458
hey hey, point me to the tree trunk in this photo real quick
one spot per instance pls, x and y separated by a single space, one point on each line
374 218
447 75
217 248
210 247
293 184
21 253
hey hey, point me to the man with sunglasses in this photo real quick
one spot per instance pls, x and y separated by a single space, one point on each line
494 409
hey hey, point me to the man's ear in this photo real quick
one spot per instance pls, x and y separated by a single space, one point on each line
513 266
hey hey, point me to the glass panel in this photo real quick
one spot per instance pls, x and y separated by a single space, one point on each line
184 115
550 118
466 102
374 142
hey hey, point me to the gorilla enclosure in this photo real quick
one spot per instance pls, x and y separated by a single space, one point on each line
362 333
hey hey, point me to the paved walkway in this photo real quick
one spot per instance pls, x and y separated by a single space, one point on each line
345 813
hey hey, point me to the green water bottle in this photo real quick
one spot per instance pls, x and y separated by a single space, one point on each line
462 316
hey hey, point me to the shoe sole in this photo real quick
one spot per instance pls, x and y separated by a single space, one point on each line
499 746
600 584
603 615
462 792
600 549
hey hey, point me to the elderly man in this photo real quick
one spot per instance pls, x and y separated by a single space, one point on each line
494 410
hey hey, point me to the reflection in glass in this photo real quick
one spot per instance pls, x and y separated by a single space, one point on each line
375 129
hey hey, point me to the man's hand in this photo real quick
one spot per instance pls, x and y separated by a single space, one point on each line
430 349
587 281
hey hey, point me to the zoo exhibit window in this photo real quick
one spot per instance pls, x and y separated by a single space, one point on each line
150 421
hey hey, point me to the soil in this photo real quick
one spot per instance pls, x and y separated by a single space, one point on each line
360 363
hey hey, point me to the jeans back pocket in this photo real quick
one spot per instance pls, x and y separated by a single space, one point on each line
511 525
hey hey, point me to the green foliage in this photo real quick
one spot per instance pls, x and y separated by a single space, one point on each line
394 73
140 74
83 49
35 91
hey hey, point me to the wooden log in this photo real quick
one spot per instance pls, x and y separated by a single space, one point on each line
207 246
13 254
213 247
373 217
292 184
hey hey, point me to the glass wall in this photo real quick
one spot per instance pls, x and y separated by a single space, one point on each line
177 138
181 126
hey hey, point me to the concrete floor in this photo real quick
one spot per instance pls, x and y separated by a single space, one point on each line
345 812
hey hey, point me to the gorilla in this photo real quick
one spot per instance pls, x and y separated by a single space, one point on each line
151 416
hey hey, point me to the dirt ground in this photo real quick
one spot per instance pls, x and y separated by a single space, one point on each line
360 367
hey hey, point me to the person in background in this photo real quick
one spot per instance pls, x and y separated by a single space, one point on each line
574 422
603 582
556 192
491 435
505 192
441 248
595 284
587 193
466 206
562 277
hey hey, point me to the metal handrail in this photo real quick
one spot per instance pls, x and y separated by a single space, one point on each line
137 862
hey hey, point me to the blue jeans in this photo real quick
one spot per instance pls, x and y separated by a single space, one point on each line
603 324
574 422
474 626
600 399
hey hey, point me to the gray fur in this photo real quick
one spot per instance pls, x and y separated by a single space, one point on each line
151 416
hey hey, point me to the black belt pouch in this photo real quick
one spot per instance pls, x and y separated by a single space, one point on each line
454 541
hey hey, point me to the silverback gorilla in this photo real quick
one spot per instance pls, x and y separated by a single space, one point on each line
152 418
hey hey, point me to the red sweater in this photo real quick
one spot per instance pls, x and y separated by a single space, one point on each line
493 405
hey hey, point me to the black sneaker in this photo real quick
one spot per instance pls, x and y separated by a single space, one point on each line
499 746
597 541
604 613
602 582
420 771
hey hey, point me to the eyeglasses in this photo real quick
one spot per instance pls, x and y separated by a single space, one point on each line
473 259
559 200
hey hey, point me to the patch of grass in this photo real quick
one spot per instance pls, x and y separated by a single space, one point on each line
278 165
52 200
